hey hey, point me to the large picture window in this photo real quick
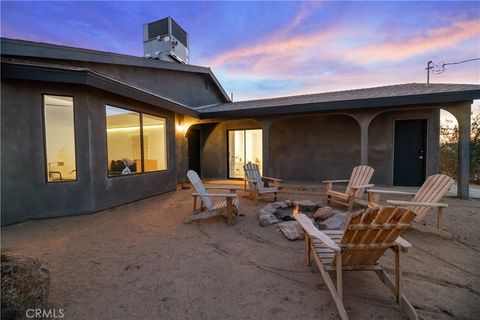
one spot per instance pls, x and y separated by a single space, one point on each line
59 138
136 142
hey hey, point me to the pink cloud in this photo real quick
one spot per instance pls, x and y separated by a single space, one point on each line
393 50
274 57
292 57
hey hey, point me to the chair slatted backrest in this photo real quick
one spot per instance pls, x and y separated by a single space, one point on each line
361 175
432 190
253 173
199 188
369 233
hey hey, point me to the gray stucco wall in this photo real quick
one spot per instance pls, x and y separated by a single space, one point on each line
214 146
181 151
308 149
318 147
314 148
26 194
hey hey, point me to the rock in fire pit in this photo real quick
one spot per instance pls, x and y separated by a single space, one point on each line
292 230
281 213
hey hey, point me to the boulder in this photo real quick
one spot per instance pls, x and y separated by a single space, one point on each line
306 205
292 230
268 209
324 213
337 222
267 219
282 213
279 205
25 283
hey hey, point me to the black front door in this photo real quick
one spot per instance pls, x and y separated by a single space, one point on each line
194 151
409 152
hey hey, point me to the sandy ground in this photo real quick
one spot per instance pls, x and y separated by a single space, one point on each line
139 261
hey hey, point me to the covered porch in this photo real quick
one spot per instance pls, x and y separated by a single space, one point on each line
311 145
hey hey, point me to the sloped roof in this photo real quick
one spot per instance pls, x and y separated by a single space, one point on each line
23 48
385 96
401 94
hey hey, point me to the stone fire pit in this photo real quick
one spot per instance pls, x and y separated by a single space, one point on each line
281 214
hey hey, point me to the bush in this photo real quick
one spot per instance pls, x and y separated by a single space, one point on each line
449 149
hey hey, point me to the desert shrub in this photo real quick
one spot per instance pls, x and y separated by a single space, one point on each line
449 149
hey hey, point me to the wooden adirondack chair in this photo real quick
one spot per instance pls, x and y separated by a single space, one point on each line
256 182
357 184
426 198
367 235
209 208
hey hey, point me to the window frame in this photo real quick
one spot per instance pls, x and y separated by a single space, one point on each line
44 129
244 146
142 156
166 142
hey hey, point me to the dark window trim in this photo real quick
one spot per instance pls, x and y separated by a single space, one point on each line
142 160
45 158
142 153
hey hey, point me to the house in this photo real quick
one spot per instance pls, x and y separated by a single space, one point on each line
86 130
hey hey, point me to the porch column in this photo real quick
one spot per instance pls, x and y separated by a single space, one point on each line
463 112
364 142
266 124
363 118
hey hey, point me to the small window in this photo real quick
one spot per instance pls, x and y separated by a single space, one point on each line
136 142
59 138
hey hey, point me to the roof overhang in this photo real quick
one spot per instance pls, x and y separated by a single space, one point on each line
332 106
21 71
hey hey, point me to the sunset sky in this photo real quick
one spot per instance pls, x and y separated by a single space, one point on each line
266 49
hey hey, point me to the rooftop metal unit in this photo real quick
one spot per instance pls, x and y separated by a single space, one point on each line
165 40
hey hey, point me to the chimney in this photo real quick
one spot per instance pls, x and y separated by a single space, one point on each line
165 40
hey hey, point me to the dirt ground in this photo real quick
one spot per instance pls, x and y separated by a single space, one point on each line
139 261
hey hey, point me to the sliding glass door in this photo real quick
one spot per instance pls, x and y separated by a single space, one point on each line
243 146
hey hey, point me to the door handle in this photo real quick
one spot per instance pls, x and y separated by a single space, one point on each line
421 155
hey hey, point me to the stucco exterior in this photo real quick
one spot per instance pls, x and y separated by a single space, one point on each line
25 192
306 138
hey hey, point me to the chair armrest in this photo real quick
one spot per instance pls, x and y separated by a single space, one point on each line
390 192
312 231
362 186
403 244
273 179
419 204
223 188
220 195
335 181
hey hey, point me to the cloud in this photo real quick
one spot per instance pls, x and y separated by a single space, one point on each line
393 50
283 51
291 56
